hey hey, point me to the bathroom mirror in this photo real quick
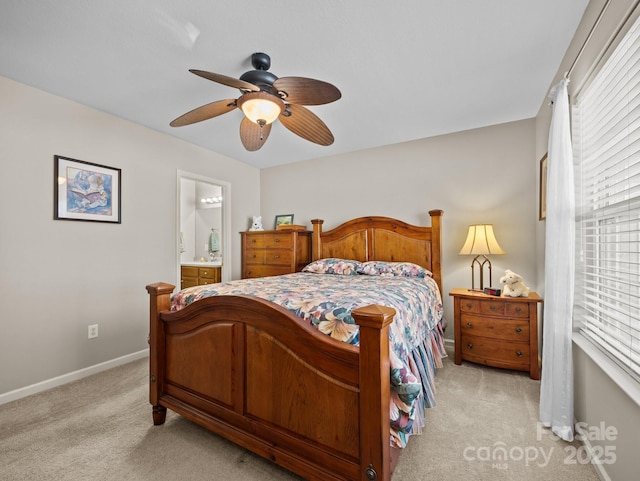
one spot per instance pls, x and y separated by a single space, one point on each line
203 240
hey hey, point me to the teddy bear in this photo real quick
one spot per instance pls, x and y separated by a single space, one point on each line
513 285
257 223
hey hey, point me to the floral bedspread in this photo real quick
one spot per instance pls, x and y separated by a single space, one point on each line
327 300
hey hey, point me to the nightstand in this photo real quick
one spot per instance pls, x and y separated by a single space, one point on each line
496 331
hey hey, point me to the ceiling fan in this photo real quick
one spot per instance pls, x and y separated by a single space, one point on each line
266 98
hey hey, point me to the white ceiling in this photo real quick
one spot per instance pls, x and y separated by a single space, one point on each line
407 69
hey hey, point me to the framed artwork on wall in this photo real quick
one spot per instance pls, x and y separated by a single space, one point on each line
85 191
543 188
285 219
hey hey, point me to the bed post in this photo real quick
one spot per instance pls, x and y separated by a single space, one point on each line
160 300
317 230
375 457
436 246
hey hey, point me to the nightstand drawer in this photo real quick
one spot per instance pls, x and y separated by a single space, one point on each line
517 309
508 329
495 307
487 306
498 353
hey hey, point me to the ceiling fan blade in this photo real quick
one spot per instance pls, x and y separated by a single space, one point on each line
225 80
252 135
301 121
205 112
306 91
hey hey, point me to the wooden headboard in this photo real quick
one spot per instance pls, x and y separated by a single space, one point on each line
383 239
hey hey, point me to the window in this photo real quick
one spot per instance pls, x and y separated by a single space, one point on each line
606 141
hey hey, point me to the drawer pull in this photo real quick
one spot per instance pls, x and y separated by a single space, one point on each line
276 257
493 308
519 353
469 324
254 256
253 240
518 309
468 305
518 330
470 346
276 240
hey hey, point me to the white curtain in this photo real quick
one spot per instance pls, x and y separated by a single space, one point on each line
556 387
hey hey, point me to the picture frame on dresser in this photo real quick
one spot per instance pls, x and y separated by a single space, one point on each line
86 191
283 219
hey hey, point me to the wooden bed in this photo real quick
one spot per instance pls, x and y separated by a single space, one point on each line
254 373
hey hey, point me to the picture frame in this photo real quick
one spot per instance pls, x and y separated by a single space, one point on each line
542 213
283 219
86 191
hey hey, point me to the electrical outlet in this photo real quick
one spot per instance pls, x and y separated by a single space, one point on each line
93 331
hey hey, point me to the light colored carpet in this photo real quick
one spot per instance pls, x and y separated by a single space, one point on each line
100 428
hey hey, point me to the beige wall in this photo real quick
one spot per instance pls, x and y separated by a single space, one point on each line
57 277
484 175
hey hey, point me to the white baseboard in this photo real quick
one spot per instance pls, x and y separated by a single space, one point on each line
72 376
599 467
450 346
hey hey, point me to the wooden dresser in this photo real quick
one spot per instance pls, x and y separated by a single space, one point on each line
274 252
497 331
197 276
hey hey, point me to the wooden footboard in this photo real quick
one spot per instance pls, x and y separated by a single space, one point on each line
256 374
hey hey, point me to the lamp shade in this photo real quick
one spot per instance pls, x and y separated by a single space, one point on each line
481 241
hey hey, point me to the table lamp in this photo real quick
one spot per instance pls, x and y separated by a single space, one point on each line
480 242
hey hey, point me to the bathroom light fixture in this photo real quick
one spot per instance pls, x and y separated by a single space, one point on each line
480 242
211 200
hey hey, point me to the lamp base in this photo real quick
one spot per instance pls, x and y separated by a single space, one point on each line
481 263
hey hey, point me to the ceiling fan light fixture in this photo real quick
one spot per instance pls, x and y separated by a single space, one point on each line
261 107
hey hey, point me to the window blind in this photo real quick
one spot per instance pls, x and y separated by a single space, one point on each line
606 141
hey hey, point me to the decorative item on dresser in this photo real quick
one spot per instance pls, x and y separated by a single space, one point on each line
270 252
497 331
199 276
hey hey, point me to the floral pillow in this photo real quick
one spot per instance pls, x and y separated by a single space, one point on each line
332 265
391 269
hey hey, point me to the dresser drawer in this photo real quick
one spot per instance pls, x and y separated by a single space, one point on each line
263 271
498 353
268 256
509 329
279 241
